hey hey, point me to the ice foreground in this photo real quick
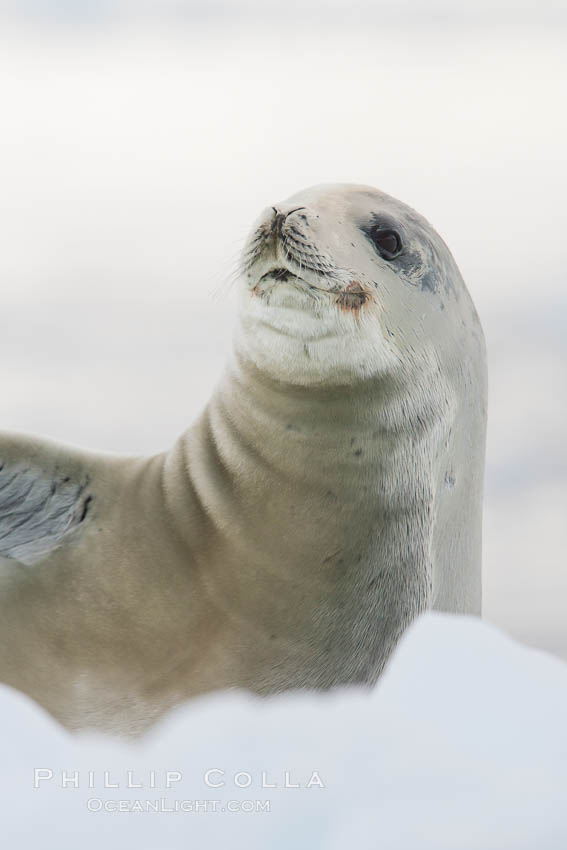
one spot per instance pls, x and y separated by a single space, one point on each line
463 745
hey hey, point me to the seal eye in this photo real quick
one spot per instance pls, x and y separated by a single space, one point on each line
388 242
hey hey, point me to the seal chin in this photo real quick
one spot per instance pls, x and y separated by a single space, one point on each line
311 337
289 306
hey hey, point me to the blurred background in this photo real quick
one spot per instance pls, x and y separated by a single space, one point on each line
140 139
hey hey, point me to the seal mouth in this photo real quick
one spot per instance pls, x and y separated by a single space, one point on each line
349 298
279 274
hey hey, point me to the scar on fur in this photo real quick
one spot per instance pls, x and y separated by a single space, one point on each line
353 297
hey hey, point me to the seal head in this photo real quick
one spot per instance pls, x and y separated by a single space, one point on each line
344 282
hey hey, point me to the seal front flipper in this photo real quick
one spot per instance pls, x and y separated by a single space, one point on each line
43 498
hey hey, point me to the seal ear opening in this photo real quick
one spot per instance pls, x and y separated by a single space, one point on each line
429 281
421 266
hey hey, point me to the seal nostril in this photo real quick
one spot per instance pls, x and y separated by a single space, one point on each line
280 217
294 210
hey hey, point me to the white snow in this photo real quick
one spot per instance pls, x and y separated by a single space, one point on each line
462 745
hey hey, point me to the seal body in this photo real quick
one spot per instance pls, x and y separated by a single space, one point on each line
329 492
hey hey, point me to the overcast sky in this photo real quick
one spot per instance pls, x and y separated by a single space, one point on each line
410 13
